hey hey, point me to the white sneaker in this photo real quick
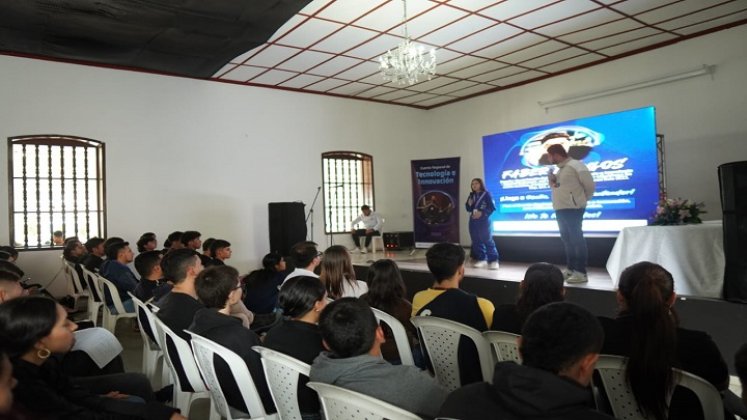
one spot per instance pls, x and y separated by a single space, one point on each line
567 273
480 264
363 250
355 251
577 277
493 265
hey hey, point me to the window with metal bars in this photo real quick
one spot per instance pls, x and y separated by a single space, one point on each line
348 184
56 185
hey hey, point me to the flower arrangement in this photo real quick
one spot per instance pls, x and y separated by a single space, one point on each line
676 211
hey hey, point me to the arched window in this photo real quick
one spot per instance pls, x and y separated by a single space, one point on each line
56 186
348 184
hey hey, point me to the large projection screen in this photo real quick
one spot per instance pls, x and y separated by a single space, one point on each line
620 151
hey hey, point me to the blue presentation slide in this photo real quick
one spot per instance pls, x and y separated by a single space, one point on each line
620 151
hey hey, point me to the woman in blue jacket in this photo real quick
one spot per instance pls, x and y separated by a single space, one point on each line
480 206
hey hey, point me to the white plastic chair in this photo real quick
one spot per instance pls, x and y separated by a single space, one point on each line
109 318
378 241
505 346
441 340
152 353
282 373
76 287
344 404
400 336
622 401
95 295
176 348
205 353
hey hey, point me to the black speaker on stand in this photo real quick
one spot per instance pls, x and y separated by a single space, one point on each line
287 226
733 182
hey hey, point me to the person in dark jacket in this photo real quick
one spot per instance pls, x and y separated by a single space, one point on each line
218 288
32 328
559 347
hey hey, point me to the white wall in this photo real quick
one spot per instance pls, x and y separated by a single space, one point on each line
188 154
702 119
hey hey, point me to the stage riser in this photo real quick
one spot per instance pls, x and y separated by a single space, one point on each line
550 249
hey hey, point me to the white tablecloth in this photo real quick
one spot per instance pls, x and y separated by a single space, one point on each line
694 254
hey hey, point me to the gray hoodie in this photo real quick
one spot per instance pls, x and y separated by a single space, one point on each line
406 387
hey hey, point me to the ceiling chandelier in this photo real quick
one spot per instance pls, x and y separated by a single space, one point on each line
407 63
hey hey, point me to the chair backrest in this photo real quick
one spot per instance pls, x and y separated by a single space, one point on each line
205 353
78 287
400 336
180 359
94 288
611 370
282 373
344 404
504 345
145 318
114 293
441 340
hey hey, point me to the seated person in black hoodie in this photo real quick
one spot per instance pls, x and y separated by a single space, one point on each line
152 285
559 347
218 288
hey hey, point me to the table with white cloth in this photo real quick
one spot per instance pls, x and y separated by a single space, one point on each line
694 254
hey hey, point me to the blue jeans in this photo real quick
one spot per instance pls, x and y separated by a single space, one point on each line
128 304
483 247
571 233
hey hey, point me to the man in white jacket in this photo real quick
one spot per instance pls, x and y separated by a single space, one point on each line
372 223
572 186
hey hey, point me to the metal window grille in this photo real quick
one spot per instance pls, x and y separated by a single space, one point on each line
56 184
348 184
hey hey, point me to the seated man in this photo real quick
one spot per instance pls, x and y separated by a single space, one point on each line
151 286
74 253
306 258
115 270
372 223
218 289
446 300
96 253
177 308
354 337
559 347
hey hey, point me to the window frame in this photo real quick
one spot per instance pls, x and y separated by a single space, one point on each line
354 192
98 153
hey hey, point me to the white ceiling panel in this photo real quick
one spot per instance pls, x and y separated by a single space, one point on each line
704 16
432 84
473 5
364 69
472 90
309 33
435 101
634 7
453 87
572 62
510 45
675 10
351 89
597 17
335 65
620 38
521 77
475 70
556 56
512 8
497 74
430 21
315 6
273 77
327 84
390 15
528 53
375 47
600 31
378 90
243 73
345 39
301 81
393 96
458 64
554 13
485 38
240 59
418 98
290 24
305 61
451 33
639 43
705 26
273 55
348 11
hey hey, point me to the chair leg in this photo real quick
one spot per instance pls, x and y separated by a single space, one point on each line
214 415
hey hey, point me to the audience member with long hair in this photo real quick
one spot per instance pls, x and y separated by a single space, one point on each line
542 284
646 331
338 275
302 300
386 292
32 328
147 242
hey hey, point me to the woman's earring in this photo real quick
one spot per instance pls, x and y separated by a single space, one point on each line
43 353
